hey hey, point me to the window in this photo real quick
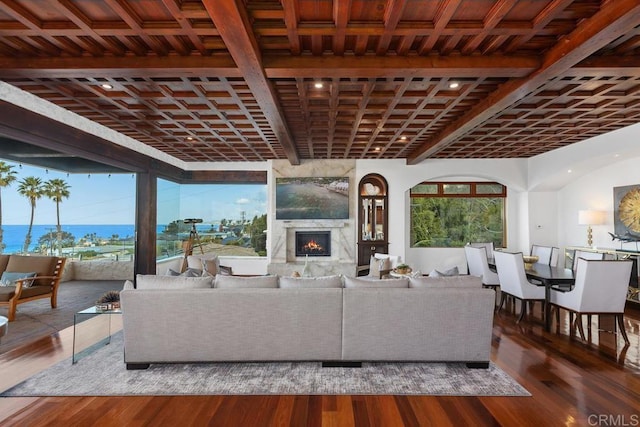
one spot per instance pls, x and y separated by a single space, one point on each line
230 219
451 214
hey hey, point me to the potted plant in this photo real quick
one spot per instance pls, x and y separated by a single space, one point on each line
403 269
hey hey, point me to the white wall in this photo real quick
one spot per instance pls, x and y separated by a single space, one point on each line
401 177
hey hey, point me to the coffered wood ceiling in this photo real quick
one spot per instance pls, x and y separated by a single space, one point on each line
233 80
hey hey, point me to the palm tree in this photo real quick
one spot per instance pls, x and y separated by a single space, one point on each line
7 176
31 188
57 189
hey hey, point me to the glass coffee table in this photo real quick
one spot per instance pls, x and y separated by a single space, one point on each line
91 329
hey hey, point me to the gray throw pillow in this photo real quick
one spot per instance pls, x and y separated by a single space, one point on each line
9 278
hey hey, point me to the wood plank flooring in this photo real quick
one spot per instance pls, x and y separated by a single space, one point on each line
573 383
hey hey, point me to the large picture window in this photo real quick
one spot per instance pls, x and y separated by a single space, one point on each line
451 214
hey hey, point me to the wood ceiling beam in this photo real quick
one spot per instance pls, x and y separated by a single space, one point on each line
275 66
614 19
233 24
399 66
108 67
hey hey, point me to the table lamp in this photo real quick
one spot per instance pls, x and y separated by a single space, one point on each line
589 218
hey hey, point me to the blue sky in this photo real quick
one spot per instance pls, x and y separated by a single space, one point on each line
104 199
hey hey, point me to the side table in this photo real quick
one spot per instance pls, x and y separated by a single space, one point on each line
4 326
100 328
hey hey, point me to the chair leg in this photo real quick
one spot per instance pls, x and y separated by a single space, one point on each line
623 331
579 325
523 311
557 310
13 306
503 298
571 325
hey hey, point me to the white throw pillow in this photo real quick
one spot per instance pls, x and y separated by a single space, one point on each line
311 282
209 264
450 272
237 282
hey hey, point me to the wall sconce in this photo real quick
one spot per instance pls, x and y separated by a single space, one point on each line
589 218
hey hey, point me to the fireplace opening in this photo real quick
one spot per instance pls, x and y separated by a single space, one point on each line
313 243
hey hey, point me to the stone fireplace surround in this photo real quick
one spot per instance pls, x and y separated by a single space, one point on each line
281 237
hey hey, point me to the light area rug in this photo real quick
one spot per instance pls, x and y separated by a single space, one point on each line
103 373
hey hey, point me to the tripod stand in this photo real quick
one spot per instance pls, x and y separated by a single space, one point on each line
190 244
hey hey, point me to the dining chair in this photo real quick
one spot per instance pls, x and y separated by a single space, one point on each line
488 247
586 255
543 253
600 288
555 256
479 266
513 282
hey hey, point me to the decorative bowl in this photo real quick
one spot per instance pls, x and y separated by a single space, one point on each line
529 260
402 269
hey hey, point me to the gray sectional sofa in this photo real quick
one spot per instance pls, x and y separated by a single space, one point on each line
331 319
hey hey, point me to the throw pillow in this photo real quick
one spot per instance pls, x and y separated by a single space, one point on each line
378 264
311 282
237 282
128 285
352 282
450 272
189 272
209 264
9 278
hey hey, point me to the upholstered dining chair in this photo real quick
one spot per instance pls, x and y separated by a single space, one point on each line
555 255
488 247
601 287
513 282
479 266
543 253
586 255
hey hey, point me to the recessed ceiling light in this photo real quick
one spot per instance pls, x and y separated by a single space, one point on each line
454 85
403 138
318 85
107 86
376 149
189 138
569 171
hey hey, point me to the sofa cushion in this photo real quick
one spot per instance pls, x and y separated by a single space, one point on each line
463 281
311 282
4 260
353 282
9 278
151 281
223 281
42 265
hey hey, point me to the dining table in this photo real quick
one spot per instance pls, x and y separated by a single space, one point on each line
548 276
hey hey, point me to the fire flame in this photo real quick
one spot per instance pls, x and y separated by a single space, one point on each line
313 246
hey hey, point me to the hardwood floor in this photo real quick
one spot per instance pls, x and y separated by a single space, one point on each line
594 383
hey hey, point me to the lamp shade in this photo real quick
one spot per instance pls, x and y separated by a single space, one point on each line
590 217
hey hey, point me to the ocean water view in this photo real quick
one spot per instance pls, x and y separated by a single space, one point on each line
13 236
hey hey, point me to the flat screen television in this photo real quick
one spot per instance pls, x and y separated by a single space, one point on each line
312 198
